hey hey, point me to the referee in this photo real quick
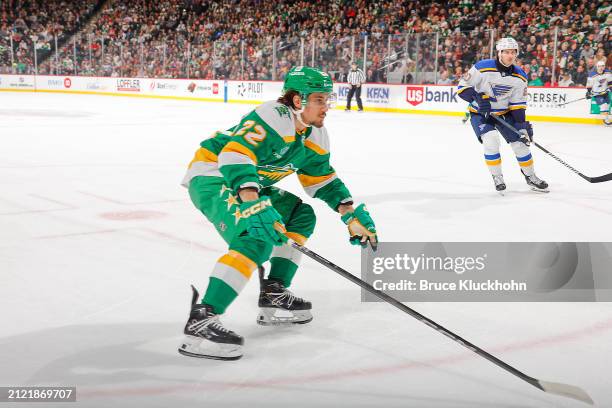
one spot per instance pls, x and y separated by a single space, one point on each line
355 78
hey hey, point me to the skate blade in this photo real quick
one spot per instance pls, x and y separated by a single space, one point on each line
270 316
201 348
539 190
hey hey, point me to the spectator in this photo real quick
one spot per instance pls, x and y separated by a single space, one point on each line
444 79
534 79
581 76
587 52
566 79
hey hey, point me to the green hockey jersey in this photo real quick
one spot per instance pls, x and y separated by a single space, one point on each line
263 149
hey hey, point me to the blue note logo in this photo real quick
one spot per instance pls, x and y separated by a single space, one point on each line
500 91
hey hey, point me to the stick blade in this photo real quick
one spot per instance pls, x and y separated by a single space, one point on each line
601 179
566 390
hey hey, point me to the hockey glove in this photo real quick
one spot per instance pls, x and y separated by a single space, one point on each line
526 132
484 105
361 227
261 219
589 93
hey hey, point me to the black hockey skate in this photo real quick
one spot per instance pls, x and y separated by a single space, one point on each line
279 307
536 183
205 336
500 185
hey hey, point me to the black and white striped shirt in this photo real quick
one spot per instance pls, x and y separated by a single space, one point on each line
356 77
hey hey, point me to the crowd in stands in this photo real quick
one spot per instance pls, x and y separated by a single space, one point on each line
38 24
257 39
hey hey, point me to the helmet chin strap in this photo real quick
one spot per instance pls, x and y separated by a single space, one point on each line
298 115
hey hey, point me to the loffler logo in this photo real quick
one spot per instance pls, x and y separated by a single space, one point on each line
416 95
128 85
67 83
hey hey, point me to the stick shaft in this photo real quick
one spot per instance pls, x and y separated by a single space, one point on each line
441 329
575 100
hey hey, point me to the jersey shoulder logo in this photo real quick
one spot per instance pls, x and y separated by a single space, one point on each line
283 111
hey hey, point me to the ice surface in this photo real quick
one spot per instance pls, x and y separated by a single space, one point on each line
99 243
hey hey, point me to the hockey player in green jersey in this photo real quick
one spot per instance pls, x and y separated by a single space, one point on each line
231 181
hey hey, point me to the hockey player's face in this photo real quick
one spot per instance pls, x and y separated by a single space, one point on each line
316 109
507 57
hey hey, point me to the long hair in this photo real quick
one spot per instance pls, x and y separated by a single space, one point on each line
287 98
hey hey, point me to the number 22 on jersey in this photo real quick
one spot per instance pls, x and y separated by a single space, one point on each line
252 132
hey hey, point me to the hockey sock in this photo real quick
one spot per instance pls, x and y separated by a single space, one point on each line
285 261
283 270
490 142
523 156
230 275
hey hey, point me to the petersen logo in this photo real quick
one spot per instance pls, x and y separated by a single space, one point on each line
67 83
128 85
546 99
416 95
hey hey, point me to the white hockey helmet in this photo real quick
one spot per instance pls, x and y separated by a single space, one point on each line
507 43
601 63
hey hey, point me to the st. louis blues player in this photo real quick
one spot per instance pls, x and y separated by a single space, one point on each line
498 87
598 88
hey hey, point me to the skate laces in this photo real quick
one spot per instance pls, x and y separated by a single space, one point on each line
212 321
535 179
290 297
285 294
498 179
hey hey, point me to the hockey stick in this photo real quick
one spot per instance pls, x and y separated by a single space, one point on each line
575 100
564 390
597 179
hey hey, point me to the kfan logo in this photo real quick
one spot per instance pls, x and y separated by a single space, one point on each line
416 95
377 94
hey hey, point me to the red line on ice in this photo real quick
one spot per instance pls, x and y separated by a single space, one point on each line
358 372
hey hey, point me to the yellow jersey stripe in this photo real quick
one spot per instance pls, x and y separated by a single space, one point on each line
235 147
239 262
308 181
314 147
